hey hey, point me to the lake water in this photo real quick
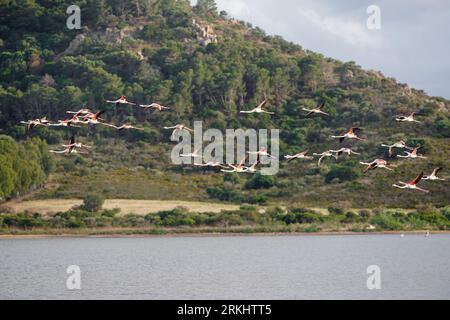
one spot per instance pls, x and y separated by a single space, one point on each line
242 267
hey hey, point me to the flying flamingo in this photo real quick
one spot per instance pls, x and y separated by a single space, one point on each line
409 118
71 148
176 128
127 126
121 100
400 144
433 176
73 144
212 164
377 163
192 154
413 154
88 119
252 168
258 109
316 110
350 135
36 122
64 123
262 152
412 185
240 168
300 155
154 106
323 155
347 151
83 111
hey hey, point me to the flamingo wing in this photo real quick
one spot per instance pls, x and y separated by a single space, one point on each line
262 104
417 179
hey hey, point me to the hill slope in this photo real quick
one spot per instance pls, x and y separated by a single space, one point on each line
206 67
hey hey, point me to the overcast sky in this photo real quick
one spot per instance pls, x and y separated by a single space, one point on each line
412 45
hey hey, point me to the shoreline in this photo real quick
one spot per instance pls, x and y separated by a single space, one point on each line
217 234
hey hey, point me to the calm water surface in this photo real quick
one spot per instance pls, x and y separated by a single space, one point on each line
287 267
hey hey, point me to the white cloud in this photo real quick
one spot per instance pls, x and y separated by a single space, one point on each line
235 7
352 32
410 46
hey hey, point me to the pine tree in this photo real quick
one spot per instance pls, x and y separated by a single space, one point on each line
206 7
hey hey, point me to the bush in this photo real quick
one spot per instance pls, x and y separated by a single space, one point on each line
342 173
224 194
386 222
446 212
335 210
300 215
364 214
259 181
93 203
351 217
431 216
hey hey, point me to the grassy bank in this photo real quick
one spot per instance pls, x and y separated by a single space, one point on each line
245 219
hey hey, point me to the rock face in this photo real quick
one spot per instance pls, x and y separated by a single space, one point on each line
113 35
347 75
73 46
205 34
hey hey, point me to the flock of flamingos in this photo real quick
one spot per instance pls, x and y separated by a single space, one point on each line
85 116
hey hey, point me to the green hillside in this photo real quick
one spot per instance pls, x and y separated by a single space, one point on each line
153 51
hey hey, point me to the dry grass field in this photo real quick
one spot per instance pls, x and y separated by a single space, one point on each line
140 207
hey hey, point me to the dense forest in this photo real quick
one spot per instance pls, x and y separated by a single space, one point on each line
23 167
157 51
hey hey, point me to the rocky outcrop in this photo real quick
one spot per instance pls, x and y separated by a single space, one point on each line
113 35
73 46
205 33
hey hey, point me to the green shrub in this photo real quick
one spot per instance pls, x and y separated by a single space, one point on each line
335 210
446 212
432 217
224 194
351 217
342 173
299 215
259 181
386 222
93 203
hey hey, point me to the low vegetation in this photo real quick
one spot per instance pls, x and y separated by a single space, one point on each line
245 219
